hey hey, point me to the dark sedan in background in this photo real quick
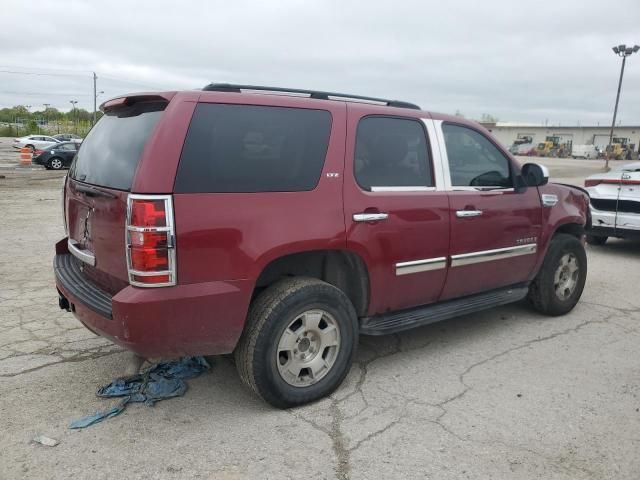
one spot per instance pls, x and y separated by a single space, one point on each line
56 156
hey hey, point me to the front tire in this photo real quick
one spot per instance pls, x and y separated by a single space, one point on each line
299 342
560 281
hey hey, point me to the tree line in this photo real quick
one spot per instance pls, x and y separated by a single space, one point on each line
20 120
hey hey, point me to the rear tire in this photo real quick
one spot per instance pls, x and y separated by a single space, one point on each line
299 342
560 281
596 240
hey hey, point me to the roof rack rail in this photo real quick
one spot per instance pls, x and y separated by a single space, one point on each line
229 87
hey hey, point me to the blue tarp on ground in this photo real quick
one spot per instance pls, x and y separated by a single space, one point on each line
163 380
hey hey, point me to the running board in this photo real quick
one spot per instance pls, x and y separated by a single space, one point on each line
416 317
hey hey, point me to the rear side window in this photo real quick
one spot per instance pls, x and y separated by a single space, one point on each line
245 148
110 154
392 152
473 160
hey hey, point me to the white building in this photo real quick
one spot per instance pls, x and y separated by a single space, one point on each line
507 133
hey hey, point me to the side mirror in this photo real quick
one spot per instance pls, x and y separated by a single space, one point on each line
535 175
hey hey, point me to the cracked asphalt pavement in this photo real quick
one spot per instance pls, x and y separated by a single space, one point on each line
502 394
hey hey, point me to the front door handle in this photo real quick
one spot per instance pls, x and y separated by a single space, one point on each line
369 217
468 213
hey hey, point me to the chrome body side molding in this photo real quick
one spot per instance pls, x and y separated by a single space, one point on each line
490 255
416 266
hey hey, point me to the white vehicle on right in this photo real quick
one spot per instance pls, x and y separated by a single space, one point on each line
615 203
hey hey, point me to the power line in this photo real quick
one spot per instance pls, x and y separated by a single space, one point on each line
47 94
41 74
13 67
111 77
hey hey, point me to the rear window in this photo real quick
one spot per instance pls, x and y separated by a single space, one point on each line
245 148
110 154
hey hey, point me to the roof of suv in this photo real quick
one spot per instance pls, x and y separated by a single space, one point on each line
296 98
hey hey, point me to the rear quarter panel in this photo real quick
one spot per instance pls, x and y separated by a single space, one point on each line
233 236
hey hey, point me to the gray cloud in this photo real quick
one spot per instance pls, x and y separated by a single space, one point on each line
520 61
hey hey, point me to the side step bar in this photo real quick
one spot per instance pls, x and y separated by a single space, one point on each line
416 317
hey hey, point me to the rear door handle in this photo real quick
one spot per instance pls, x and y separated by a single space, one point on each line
369 217
468 213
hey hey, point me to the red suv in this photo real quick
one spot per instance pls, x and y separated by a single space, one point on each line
279 224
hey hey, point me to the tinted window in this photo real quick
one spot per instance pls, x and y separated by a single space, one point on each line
473 160
242 148
392 152
109 155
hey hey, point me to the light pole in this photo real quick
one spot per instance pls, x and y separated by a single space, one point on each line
622 51
75 123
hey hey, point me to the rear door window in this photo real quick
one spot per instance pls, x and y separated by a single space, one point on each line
246 148
110 154
392 152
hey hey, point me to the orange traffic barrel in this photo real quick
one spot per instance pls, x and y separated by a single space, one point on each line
25 156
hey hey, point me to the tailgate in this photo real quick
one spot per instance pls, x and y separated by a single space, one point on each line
96 224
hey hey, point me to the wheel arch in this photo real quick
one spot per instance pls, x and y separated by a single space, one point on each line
343 269
574 229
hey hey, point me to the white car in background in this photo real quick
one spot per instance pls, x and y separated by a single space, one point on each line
68 137
35 142
615 203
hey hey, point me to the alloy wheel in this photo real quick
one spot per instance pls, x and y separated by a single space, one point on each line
308 348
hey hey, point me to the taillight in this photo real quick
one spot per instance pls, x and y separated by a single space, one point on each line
592 182
151 255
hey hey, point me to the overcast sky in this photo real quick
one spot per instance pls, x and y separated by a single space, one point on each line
519 61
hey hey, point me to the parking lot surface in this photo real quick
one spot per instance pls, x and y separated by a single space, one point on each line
503 394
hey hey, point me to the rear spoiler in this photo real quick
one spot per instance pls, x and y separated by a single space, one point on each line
131 99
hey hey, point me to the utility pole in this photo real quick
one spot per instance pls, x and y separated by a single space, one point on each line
95 97
46 116
622 51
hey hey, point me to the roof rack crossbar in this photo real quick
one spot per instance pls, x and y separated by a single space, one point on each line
229 87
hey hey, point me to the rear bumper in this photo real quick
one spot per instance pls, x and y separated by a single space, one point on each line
195 319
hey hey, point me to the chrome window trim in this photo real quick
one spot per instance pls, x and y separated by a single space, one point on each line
416 266
444 158
403 189
436 154
491 255
496 189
